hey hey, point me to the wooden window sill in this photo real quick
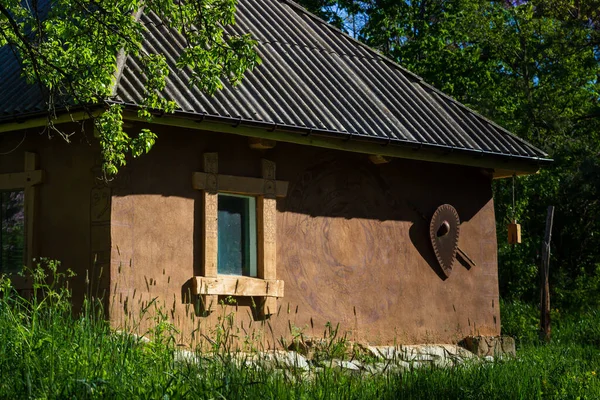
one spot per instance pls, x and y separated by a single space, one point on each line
233 285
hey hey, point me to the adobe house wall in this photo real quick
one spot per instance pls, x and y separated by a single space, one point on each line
352 246
63 214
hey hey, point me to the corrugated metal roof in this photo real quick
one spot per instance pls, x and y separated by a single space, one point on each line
16 96
316 77
312 77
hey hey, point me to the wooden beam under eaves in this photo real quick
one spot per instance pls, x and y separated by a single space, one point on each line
522 166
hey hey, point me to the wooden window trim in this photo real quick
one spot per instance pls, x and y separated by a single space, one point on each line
233 285
26 181
264 287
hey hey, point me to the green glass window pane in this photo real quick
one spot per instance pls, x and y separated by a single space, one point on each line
12 230
237 235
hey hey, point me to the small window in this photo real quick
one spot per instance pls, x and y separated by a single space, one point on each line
12 230
237 235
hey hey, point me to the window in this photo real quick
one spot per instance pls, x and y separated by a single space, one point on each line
17 215
236 235
12 230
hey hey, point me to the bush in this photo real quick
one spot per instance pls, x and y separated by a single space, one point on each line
520 320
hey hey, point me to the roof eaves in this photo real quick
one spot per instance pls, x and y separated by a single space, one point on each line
223 124
416 77
483 118
36 119
308 135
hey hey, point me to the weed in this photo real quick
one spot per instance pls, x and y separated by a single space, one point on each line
48 351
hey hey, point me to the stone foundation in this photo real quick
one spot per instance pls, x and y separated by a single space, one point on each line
489 346
371 359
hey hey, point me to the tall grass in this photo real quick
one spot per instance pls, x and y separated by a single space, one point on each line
49 352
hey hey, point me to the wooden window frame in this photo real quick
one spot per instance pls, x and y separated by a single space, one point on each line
26 181
265 288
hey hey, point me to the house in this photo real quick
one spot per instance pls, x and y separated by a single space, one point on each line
332 186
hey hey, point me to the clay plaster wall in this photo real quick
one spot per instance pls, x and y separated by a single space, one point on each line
66 202
352 247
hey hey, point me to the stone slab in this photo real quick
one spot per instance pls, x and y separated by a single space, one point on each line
489 346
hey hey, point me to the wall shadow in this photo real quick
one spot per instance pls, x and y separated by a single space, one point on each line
322 183
348 186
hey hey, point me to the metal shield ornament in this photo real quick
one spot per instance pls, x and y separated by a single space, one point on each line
443 231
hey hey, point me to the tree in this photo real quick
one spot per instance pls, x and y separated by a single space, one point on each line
69 48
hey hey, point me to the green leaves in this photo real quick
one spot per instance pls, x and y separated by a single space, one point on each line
116 143
143 142
70 48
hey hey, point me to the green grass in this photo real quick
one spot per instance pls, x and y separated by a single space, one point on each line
47 353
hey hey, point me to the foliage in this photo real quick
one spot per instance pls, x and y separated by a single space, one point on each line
582 327
70 49
532 66
343 14
573 186
48 352
520 320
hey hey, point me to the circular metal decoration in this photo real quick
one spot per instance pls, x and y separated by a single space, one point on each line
443 231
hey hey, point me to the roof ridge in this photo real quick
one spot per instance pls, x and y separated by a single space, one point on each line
419 79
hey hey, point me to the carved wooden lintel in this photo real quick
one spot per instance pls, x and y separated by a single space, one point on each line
238 184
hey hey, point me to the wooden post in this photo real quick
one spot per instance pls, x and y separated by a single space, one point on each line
31 164
545 328
210 219
267 233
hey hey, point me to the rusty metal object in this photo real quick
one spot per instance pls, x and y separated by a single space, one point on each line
443 231
466 260
461 255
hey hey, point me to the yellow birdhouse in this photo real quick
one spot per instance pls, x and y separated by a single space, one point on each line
514 233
